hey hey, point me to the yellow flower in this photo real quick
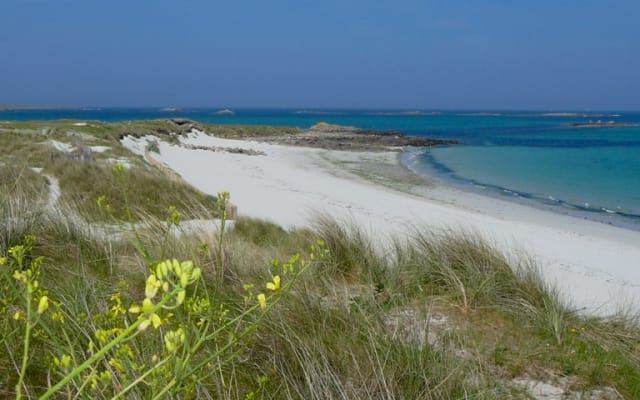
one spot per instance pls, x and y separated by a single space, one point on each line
162 270
105 376
275 285
174 339
247 287
63 361
152 286
262 300
181 296
18 315
150 318
147 305
116 364
101 201
43 304
154 320
196 274
58 317
20 276
3 260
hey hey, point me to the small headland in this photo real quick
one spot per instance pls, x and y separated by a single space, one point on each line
337 137
321 135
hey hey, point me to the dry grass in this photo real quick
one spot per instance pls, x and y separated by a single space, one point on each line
437 315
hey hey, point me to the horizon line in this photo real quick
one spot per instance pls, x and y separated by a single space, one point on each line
175 108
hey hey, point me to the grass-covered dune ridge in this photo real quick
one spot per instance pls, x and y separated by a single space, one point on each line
256 311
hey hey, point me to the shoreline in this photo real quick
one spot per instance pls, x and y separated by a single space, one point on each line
593 264
556 206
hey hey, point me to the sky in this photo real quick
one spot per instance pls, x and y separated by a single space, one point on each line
542 55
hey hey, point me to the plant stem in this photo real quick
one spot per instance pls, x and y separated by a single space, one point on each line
165 389
25 351
139 379
220 245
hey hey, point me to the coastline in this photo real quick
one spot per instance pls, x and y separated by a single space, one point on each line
593 264
441 176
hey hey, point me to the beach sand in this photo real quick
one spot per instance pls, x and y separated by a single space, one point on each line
595 266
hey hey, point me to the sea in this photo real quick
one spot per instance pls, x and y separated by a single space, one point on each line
585 164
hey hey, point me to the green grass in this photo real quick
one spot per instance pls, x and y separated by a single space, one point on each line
84 184
437 315
244 131
22 199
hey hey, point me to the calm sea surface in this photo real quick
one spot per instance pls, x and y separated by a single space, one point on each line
537 158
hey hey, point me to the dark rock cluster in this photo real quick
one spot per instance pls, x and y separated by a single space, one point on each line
356 140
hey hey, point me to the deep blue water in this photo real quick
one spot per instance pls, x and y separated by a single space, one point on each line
536 157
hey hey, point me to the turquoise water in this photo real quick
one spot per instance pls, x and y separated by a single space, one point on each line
589 179
535 157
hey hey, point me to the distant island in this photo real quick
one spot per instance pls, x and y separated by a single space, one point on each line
602 124
9 107
226 111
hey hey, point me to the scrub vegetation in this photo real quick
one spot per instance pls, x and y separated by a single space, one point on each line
156 309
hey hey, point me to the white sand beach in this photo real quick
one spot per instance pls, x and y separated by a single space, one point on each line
596 266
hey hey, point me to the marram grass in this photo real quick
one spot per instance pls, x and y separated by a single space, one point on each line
253 311
173 339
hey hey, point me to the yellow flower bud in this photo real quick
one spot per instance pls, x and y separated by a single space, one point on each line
181 296
275 285
196 274
144 325
20 276
262 301
184 279
162 270
116 364
175 267
155 320
151 287
65 360
43 304
147 305
105 376
187 266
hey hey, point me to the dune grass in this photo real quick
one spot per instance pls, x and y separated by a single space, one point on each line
354 324
244 131
259 312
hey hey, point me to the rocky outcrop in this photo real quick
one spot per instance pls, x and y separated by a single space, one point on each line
335 137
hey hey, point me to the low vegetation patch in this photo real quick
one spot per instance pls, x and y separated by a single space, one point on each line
252 311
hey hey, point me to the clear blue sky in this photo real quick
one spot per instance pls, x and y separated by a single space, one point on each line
548 55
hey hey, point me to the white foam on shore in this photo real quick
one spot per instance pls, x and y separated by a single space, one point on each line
594 265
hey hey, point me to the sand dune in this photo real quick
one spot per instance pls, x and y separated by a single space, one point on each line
596 266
